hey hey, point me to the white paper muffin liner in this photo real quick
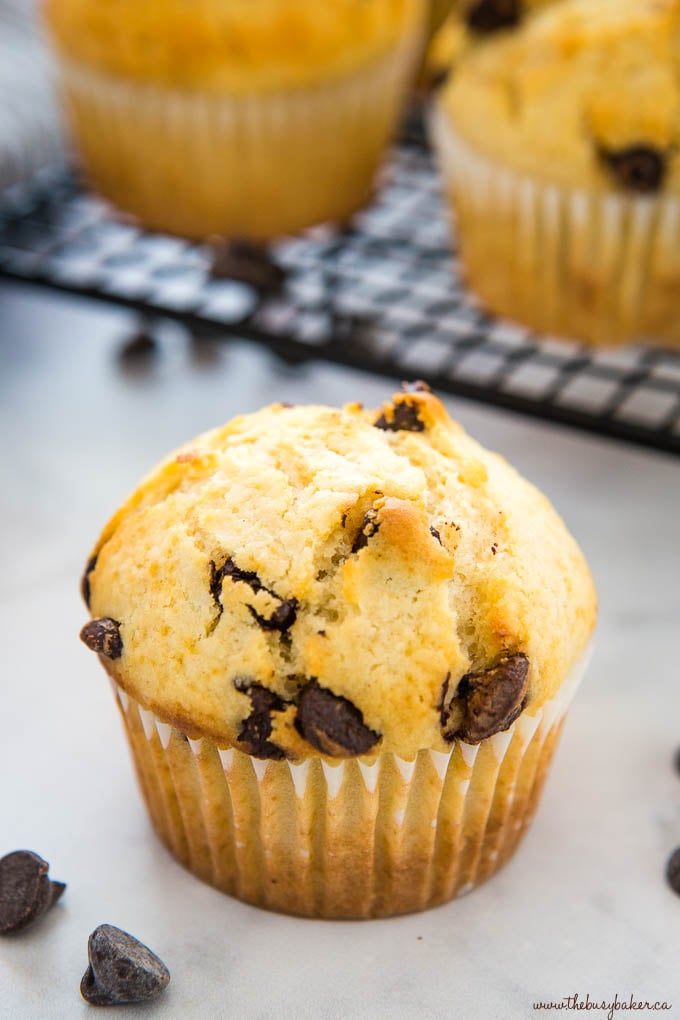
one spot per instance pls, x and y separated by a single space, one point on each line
599 266
352 839
255 165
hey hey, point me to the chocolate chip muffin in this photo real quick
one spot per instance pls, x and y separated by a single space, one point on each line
343 643
232 117
559 145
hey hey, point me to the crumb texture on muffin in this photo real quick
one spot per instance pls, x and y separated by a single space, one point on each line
583 94
309 580
229 45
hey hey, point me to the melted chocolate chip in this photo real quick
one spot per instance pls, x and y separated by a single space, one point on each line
284 615
443 710
103 636
85 580
637 168
435 534
248 263
332 724
121 970
402 418
492 699
257 728
370 526
26 893
486 16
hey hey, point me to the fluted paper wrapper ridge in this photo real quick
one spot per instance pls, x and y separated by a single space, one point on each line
360 838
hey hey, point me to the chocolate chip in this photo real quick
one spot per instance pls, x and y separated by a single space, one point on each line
122 969
85 579
486 16
673 871
492 699
637 168
248 263
403 417
281 619
103 636
370 526
332 724
435 534
257 728
443 710
26 893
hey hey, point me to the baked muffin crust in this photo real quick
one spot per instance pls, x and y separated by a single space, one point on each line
312 580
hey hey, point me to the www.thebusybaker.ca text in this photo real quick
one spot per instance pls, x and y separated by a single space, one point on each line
610 1007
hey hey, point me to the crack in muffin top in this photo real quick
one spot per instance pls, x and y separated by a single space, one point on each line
305 581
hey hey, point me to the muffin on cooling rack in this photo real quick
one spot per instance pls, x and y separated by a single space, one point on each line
560 147
343 643
239 119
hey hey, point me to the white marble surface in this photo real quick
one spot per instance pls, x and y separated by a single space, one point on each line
582 908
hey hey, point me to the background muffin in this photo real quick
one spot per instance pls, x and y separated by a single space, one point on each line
559 149
229 117
343 643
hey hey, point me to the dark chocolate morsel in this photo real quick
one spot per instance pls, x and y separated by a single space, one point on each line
246 262
332 724
257 728
443 709
26 893
85 580
673 871
282 619
122 970
492 699
403 418
435 534
369 527
486 16
637 168
103 636
283 616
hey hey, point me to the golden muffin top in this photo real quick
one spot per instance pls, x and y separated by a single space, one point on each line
584 94
311 580
232 45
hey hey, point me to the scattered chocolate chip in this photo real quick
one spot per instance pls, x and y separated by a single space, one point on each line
637 168
332 724
103 636
492 699
486 16
494 548
26 893
435 534
246 262
85 580
249 577
283 617
370 526
122 969
257 728
673 871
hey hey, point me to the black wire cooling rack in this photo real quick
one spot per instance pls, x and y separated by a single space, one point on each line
384 296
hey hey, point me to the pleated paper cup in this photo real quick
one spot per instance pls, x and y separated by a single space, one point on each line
255 165
366 837
599 266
